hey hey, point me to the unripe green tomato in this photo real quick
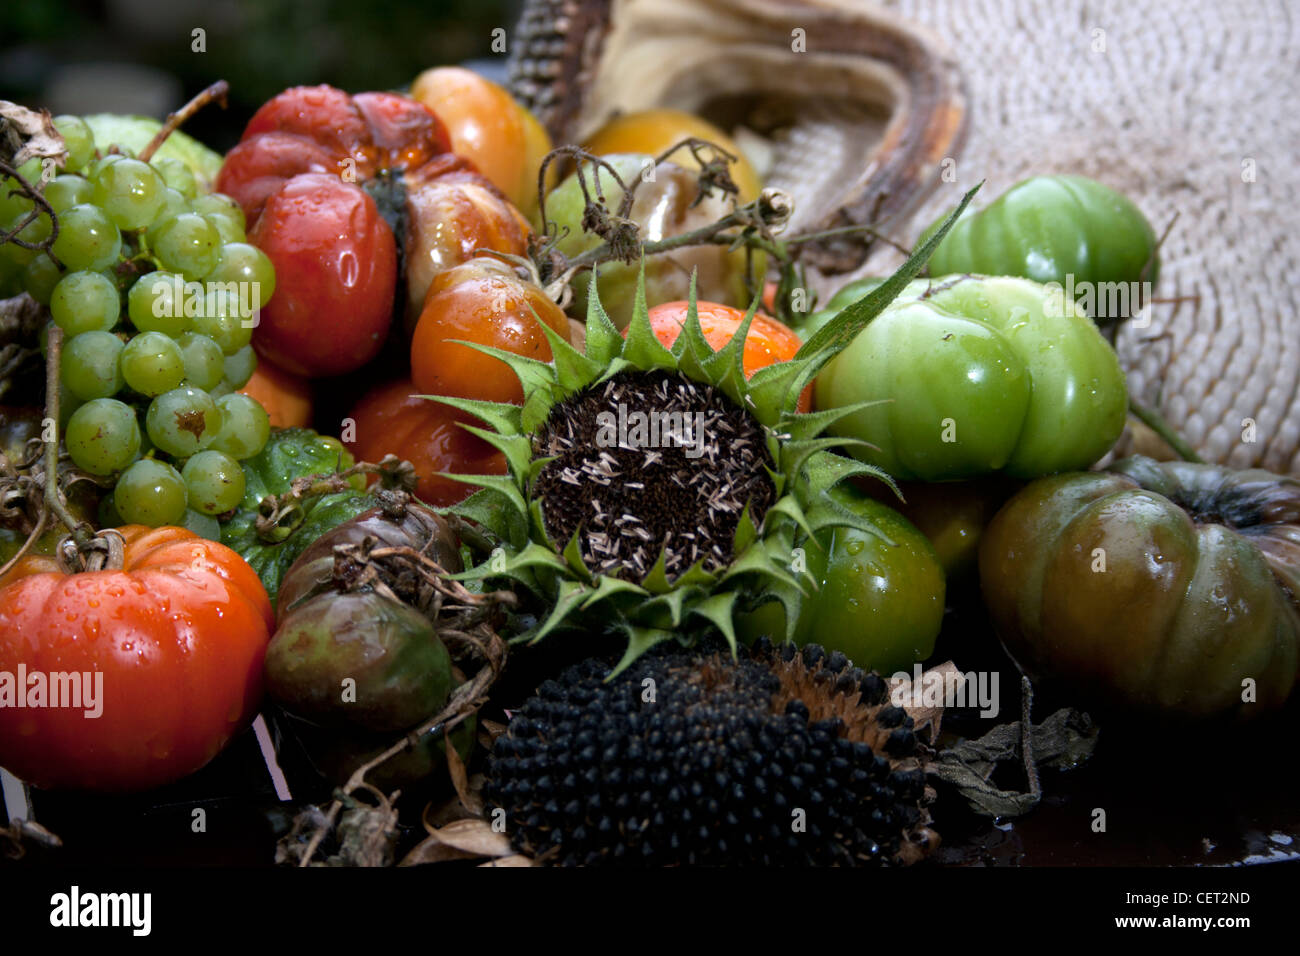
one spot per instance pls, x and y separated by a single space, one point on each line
1161 587
808 325
1064 229
976 375
662 208
879 600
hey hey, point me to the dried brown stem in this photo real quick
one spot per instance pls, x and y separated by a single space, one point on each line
217 91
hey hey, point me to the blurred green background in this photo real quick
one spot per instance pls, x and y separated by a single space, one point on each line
138 56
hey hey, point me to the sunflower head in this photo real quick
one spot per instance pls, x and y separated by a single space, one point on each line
653 492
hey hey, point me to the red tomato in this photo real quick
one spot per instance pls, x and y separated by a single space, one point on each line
178 635
337 257
400 151
393 419
768 340
482 301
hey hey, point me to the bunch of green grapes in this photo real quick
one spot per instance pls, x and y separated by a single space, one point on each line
155 289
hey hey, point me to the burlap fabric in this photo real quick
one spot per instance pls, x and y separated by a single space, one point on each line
1190 108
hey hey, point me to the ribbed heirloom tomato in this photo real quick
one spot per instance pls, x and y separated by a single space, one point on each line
394 419
174 639
767 343
324 179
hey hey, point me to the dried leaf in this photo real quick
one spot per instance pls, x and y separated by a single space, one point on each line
923 716
1064 740
470 800
28 134
475 837
433 850
515 860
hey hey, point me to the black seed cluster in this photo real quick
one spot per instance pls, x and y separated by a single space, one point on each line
629 502
707 773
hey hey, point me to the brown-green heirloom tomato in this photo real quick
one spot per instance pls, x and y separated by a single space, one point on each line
1160 587
879 598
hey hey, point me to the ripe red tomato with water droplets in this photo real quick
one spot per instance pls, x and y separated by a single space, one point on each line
394 419
330 245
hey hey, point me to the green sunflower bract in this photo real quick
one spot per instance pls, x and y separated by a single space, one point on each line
642 600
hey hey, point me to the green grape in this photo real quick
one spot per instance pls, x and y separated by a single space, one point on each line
85 302
245 263
150 492
205 363
227 228
68 403
79 140
156 303
95 167
35 231
215 482
87 238
223 387
219 204
11 278
130 192
224 319
31 170
183 421
205 526
245 426
91 365
177 175
152 364
40 277
68 190
239 367
11 199
102 436
173 204
187 244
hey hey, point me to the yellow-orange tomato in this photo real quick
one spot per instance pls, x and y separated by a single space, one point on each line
653 131
501 138
767 343
452 218
485 302
286 397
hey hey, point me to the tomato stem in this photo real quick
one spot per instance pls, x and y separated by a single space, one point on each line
1157 423
217 91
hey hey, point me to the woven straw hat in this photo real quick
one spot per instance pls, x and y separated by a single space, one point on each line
1187 107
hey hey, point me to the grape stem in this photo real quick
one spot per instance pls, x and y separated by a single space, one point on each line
39 205
217 91
82 533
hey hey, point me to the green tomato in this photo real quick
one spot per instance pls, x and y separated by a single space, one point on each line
1065 229
977 375
1161 587
807 325
288 454
879 598
663 207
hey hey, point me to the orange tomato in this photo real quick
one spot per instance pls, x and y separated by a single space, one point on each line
286 397
653 131
501 138
393 419
768 340
176 637
485 302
